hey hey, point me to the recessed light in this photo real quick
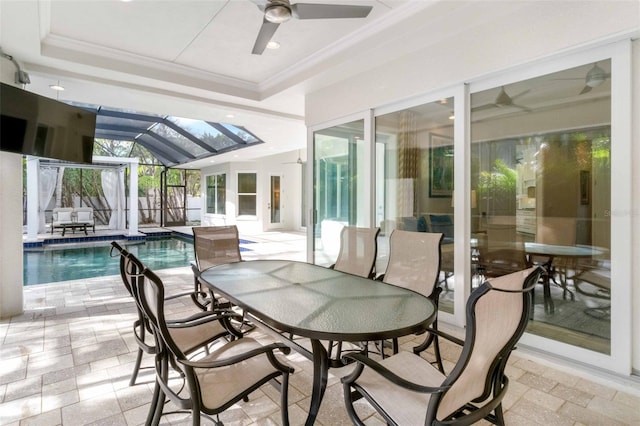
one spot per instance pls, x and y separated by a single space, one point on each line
230 116
56 87
452 117
273 45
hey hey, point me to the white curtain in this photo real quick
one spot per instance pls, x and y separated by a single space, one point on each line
46 188
113 187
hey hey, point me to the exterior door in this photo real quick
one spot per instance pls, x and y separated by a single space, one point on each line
274 207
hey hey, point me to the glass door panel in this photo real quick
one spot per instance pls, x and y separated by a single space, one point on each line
541 171
338 186
414 180
275 207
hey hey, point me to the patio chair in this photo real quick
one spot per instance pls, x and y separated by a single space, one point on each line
217 381
85 215
414 263
190 333
358 250
213 245
406 389
61 216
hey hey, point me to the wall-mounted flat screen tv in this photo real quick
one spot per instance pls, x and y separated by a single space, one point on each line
35 125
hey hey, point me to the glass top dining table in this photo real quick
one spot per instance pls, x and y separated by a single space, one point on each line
307 300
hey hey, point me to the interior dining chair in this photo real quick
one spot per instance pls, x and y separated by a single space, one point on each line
557 231
191 333
501 251
216 381
358 251
414 263
406 389
214 245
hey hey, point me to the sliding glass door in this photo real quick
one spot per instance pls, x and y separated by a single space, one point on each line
339 176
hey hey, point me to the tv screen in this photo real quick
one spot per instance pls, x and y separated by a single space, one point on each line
31 124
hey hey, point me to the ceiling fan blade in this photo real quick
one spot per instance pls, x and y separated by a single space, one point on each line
483 107
328 11
524 108
524 92
586 89
267 30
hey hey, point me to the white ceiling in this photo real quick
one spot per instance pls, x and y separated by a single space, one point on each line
191 58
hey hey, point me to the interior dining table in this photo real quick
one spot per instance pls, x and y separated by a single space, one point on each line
293 300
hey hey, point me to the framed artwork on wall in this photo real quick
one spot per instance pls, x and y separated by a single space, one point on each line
440 166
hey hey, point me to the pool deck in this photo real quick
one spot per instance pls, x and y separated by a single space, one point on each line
269 244
67 361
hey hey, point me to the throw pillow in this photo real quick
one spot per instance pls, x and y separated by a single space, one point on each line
84 216
64 216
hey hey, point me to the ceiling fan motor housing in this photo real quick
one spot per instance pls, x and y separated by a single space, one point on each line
278 11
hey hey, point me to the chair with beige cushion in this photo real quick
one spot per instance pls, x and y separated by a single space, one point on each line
213 245
217 381
191 333
406 389
414 263
358 251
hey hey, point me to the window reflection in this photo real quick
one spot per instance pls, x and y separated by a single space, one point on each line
414 180
540 168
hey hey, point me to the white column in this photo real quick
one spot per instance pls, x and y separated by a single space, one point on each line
11 298
133 199
33 201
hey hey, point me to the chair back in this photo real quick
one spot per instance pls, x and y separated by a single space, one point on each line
151 298
358 251
414 260
440 223
556 230
216 245
497 313
502 252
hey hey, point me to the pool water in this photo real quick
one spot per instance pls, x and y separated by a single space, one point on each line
88 262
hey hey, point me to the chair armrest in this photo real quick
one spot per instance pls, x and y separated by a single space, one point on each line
363 361
202 318
446 336
268 349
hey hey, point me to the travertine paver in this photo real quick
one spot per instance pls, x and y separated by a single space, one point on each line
67 360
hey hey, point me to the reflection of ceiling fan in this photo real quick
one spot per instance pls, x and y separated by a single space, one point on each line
278 11
503 100
594 78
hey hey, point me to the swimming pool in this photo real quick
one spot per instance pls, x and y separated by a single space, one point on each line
87 262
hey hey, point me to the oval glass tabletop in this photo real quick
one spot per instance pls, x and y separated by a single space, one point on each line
313 301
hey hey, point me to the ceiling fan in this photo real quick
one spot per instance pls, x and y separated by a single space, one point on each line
298 161
277 12
503 100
